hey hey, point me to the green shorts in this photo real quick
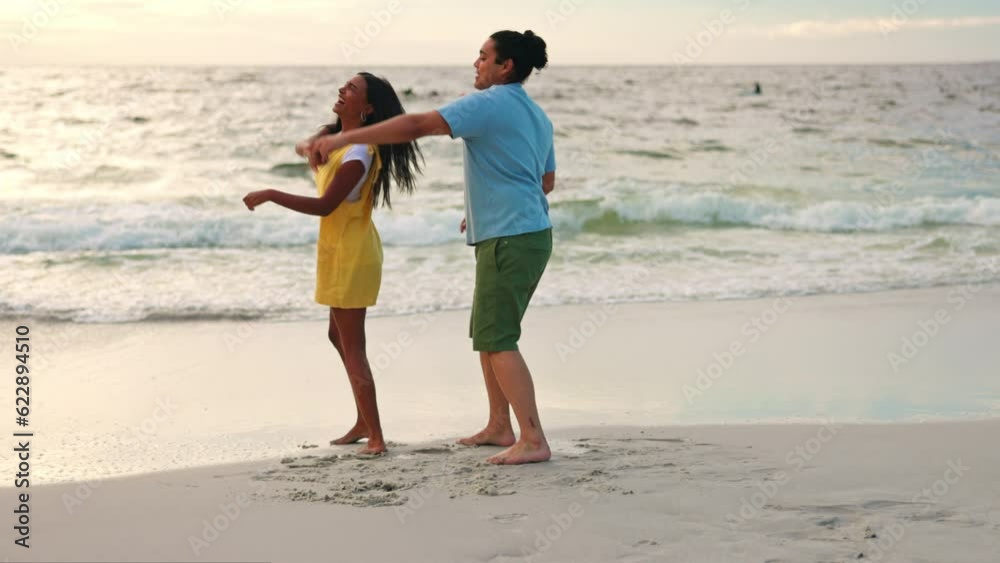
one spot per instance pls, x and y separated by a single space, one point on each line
507 272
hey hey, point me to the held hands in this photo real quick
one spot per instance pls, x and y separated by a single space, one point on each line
302 147
321 148
253 199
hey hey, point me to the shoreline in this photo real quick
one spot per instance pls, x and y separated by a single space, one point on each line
213 393
989 286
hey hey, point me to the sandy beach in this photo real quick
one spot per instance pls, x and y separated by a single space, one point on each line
768 430
921 492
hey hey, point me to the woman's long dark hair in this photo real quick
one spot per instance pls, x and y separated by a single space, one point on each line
400 163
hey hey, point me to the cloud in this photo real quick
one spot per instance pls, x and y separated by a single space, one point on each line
856 26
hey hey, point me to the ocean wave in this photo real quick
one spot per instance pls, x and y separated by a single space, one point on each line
656 155
809 131
722 210
170 226
165 226
103 315
710 146
292 170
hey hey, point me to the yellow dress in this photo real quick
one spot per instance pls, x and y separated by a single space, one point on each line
349 250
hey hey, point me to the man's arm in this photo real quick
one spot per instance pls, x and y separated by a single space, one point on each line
398 130
549 182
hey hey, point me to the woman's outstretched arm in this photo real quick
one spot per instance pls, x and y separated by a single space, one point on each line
343 182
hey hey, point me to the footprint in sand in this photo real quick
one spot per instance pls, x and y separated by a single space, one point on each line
829 523
670 440
433 451
508 518
933 516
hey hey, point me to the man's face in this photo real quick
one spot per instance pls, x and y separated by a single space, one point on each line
488 72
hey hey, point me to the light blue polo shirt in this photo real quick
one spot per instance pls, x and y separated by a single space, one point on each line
508 148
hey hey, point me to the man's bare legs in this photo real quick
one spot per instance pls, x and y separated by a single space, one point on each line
351 331
514 380
360 429
498 431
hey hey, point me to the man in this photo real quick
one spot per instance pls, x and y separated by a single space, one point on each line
509 170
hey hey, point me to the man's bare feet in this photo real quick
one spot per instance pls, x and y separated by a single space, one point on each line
522 452
373 447
490 437
353 436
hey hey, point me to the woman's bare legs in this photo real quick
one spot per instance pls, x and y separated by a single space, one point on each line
360 429
351 335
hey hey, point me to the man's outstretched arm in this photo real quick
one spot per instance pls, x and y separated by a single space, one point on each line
398 130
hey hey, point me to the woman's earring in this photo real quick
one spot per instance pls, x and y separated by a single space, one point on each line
364 118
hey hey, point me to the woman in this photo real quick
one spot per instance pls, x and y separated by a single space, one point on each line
349 255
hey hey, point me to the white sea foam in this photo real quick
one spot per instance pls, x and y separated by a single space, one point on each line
140 226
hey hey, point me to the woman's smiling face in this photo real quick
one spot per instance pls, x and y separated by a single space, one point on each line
353 98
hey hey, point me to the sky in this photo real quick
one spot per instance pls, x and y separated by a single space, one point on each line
449 32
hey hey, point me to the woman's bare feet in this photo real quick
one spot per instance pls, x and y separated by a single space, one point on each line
353 436
522 452
373 447
490 436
